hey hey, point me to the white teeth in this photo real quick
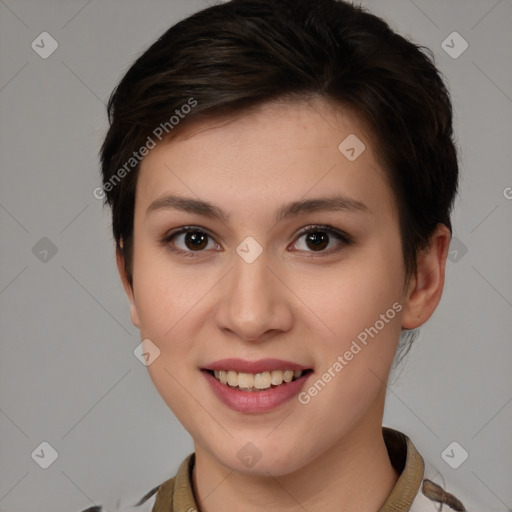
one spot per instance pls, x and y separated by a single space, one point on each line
261 380
258 381
245 380
232 378
288 375
277 377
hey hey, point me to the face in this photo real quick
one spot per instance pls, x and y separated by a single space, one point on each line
268 271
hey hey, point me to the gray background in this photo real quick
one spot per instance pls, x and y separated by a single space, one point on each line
68 375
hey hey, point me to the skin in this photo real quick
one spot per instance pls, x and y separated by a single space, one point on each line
291 303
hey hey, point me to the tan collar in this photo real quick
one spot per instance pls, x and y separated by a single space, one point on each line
176 494
410 467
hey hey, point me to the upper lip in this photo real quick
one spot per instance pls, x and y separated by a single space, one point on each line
259 366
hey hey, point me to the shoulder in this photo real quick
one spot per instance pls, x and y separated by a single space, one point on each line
432 496
159 497
420 487
437 492
144 504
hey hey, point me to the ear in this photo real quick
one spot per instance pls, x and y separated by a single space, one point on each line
134 315
426 287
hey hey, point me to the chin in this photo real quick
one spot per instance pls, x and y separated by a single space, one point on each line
280 461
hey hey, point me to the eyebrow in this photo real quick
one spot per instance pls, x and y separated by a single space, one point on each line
286 211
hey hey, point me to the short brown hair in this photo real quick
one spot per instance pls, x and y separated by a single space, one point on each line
244 53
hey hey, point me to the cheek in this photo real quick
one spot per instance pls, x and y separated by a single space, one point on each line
166 310
359 306
353 296
165 293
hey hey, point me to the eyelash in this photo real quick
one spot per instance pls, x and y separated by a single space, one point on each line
343 237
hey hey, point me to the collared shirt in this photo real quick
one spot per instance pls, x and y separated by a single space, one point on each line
415 489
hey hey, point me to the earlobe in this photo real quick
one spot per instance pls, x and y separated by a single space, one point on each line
134 315
426 286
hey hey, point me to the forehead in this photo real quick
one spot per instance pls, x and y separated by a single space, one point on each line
273 153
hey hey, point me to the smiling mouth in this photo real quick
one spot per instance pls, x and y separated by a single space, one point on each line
259 381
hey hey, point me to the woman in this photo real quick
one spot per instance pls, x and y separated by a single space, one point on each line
281 175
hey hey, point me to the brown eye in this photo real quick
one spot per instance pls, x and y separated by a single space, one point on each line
196 240
189 240
318 238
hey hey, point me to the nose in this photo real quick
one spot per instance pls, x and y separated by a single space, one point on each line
254 303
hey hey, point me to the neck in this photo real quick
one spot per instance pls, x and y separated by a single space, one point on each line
353 475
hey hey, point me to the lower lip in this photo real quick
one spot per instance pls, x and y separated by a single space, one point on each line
255 401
